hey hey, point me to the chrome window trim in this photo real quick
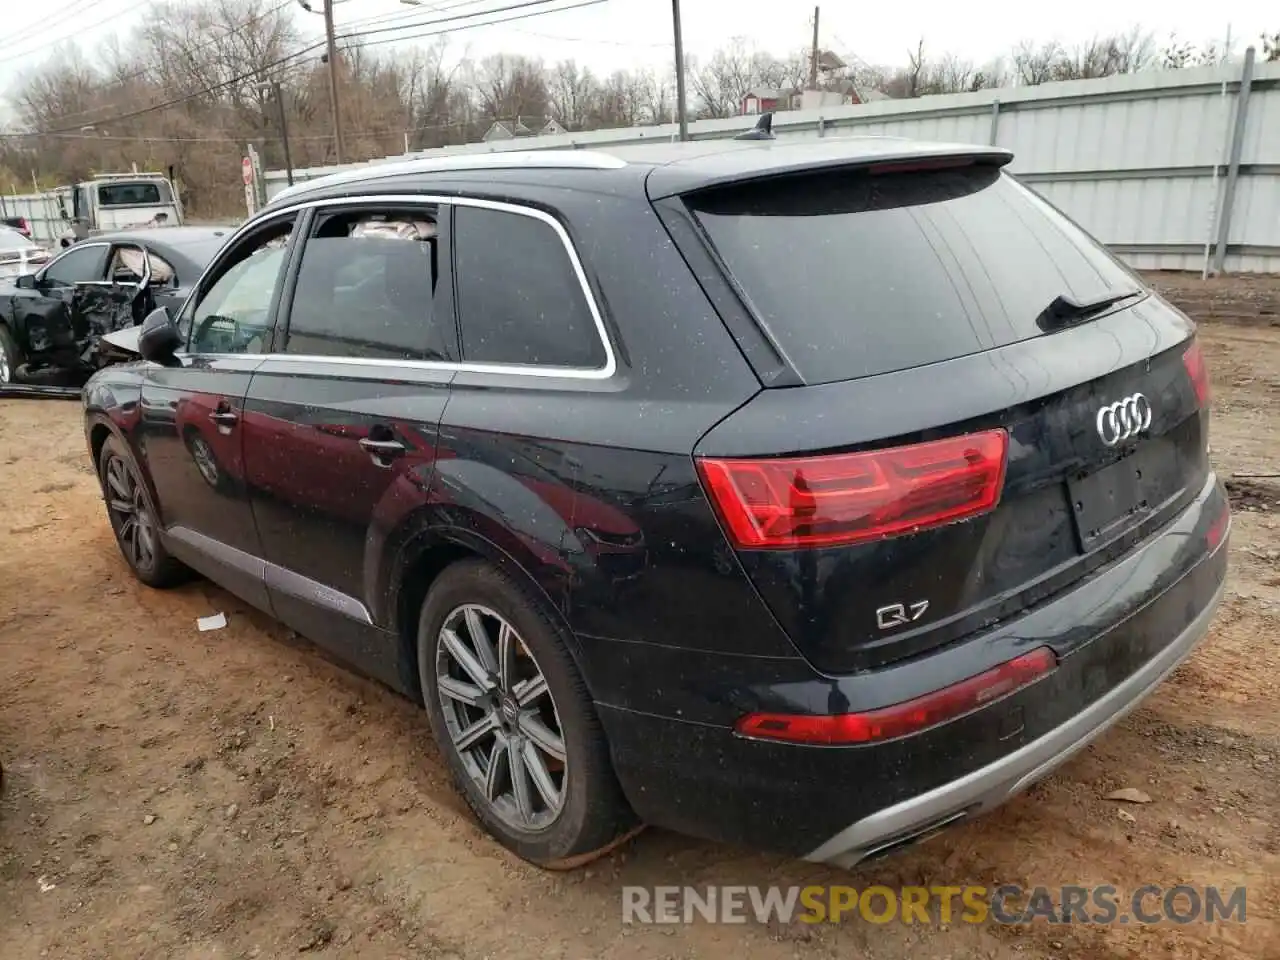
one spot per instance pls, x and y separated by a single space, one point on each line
504 369
82 245
146 267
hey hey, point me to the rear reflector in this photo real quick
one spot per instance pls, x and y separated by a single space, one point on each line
1193 360
1218 529
901 719
775 504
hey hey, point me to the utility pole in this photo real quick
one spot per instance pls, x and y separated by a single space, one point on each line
284 130
813 61
333 79
681 111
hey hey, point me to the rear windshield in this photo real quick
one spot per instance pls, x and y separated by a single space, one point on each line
133 194
858 273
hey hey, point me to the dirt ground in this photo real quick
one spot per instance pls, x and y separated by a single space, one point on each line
175 794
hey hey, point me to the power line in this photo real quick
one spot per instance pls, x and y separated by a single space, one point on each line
138 73
261 70
408 14
120 81
62 39
461 16
40 26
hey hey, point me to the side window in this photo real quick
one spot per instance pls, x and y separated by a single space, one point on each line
367 288
128 264
519 300
77 265
233 311
162 272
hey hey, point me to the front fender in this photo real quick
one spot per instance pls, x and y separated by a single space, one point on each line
114 403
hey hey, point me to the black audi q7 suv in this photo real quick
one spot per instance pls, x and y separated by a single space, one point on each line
807 496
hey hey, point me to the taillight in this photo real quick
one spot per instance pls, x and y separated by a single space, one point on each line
1193 360
913 716
824 501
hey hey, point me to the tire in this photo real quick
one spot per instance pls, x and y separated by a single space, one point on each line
205 460
591 816
11 357
134 521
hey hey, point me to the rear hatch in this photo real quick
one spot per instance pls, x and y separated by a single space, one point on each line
985 406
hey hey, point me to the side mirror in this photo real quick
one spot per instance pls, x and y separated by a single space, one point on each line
26 281
159 338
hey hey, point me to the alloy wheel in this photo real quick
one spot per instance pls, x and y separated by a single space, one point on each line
501 718
6 372
134 525
206 463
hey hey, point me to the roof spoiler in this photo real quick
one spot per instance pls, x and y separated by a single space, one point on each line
875 155
763 130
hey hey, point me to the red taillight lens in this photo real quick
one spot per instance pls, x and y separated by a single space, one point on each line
1193 360
903 718
853 497
1218 529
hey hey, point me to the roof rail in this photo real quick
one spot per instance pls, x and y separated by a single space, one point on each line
545 159
141 175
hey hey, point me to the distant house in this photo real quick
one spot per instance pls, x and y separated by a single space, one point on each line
769 99
522 127
838 93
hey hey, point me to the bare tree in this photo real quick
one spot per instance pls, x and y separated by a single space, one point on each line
724 80
1177 54
660 96
916 67
1035 64
512 87
573 92
1105 57
621 100
1271 46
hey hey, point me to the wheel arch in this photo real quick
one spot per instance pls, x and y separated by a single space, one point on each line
99 427
99 433
423 559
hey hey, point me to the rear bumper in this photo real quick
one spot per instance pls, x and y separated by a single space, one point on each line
990 786
1117 636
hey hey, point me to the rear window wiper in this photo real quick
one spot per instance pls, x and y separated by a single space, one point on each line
1065 311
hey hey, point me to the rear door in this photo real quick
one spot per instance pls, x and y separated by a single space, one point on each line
969 436
193 418
342 417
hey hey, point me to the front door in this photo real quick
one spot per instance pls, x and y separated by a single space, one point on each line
51 330
341 419
193 418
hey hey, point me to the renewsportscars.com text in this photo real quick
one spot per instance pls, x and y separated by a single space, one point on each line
1005 904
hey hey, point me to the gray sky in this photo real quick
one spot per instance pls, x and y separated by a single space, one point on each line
638 32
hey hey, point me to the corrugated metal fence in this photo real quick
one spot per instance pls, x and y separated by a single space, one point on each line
1176 170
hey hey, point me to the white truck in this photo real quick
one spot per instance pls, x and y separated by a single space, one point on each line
113 201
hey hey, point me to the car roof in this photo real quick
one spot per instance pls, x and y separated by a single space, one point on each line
14 239
188 249
175 237
661 168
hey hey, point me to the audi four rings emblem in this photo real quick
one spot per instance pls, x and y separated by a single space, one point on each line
1124 419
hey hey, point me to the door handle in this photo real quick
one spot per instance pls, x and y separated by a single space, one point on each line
224 418
381 450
